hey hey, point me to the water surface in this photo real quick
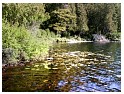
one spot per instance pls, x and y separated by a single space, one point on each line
96 74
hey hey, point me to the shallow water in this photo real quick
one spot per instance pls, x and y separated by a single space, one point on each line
96 73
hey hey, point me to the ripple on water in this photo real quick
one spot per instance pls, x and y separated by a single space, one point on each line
92 75
62 83
115 85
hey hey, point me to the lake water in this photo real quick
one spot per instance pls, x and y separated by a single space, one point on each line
99 71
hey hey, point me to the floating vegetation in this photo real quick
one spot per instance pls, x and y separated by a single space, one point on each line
36 65
73 59
67 71
33 69
27 68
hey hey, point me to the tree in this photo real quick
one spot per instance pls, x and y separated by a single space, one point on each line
102 17
72 25
23 14
61 19
81 18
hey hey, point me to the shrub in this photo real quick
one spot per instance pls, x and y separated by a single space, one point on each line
114 36
20 40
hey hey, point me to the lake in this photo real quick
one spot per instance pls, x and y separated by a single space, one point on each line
70 67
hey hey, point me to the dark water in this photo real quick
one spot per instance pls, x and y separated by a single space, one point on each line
90 76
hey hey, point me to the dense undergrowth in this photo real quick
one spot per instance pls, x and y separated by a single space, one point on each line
19 44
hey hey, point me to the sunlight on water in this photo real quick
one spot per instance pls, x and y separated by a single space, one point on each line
81 67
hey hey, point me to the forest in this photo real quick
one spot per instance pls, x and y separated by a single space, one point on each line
29 29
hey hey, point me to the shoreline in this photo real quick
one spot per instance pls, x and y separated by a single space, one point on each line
82 41
73 41
43 56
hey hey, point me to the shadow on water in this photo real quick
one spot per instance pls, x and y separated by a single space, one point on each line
70 71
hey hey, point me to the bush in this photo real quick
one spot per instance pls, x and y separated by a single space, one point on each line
19 39
114 36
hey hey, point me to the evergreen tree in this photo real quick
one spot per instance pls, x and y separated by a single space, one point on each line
61 19
73 25
23 14
81 18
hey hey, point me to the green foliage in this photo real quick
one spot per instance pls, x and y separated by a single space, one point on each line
114 36
49 7
103 18
94 18
20 39
61 18
21 36
72 25
81 18
23 14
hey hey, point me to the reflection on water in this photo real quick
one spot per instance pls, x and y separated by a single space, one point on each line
100 70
